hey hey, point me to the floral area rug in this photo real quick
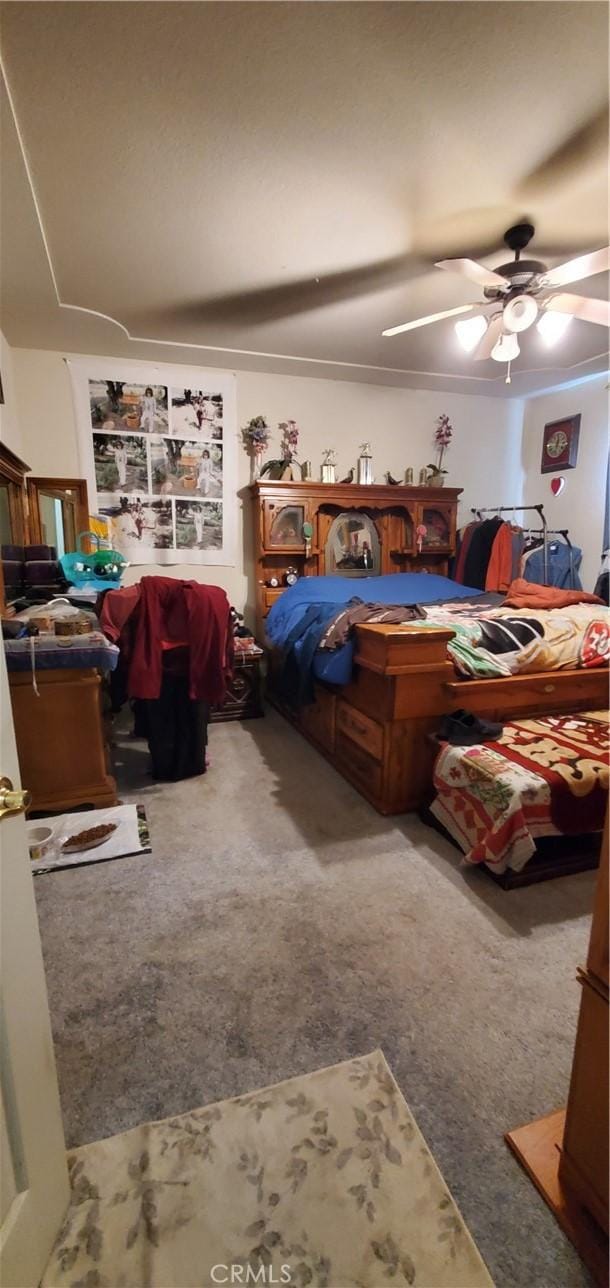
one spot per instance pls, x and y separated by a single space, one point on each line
324 1180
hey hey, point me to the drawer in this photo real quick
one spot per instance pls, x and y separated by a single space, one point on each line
271 593
358 765
361 729
584 1158
318 719
536 692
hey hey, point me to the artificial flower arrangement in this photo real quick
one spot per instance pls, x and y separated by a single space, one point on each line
283 467
290 439
442 439
255 437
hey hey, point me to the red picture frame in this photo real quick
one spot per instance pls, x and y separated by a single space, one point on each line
560 444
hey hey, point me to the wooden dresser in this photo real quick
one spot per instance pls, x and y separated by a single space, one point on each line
583 1162
566 1153
60 738
283 509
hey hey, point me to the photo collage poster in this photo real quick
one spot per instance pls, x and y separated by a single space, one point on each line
158 449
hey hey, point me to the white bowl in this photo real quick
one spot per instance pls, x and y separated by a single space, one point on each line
39 840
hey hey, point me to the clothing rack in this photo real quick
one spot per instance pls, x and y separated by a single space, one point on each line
511 509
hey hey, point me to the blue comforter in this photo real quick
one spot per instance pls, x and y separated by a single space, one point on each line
320 598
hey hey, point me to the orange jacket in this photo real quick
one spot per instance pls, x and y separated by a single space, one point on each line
500 566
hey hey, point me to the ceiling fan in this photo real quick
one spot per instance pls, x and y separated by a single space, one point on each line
518 294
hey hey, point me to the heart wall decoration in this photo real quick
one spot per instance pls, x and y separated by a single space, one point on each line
557 485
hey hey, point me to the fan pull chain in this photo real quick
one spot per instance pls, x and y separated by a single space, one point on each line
507 379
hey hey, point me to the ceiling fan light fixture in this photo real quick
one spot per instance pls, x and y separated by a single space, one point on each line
470 331
519 313
506 349
552 326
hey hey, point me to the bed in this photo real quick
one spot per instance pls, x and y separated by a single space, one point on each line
546 776
371 709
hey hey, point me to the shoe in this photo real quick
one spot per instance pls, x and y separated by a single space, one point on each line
463 729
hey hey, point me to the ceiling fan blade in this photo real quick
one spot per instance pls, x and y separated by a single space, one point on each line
575 270
432 317
570 162
492 335
578 306
474 272
266 304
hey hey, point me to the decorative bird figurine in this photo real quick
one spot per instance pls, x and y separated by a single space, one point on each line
349 477
390 480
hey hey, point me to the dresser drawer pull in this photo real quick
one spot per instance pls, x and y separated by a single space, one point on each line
548 688
355 724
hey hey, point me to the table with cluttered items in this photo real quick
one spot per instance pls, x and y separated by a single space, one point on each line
56 658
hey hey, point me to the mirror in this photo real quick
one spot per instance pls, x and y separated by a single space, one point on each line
59 511
35 512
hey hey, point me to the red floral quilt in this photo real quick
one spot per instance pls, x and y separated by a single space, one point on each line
544 776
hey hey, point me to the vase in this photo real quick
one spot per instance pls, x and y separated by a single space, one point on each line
255 466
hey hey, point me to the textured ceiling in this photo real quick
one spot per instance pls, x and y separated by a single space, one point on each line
273 182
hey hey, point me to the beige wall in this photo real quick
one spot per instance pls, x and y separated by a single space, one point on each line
398 422
10 426
580 507
495 456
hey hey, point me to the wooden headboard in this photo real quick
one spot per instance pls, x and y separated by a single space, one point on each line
282 508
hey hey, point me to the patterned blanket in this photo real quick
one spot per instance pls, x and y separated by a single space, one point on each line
510 641
546 776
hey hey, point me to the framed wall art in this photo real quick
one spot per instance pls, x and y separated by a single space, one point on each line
560 444
158 448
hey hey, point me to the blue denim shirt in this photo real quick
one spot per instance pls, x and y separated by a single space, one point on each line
563 564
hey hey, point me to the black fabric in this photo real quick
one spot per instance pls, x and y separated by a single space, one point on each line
509 634
41 572
176 730
12 571
33 553
463 729
479 553
601 587
470 607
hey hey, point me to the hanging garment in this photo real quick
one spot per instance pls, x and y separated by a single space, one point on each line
117 608
479 553
601 585
562 565
166 612
176 729
518 542
463 543
500 566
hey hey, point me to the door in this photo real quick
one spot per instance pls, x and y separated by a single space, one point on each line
34 1188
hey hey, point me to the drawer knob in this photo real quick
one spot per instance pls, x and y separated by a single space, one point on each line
548 688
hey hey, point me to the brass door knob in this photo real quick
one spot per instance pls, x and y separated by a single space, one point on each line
12 802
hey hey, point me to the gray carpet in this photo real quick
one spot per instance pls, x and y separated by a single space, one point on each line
280 925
